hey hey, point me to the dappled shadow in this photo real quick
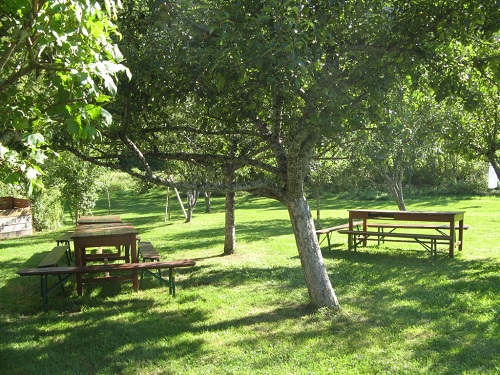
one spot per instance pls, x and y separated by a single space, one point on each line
395 293
441 295
142 339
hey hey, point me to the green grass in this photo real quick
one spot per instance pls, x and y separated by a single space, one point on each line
402 312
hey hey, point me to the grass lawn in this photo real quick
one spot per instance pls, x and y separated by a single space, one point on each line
402 312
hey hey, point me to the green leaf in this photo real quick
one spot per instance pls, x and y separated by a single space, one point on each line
106 116
32 140
91 131
94 111
102 98
72 126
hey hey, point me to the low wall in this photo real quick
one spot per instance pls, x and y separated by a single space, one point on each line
15 217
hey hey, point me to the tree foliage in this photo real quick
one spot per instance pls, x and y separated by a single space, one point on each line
58 65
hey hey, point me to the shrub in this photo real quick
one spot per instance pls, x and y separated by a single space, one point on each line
47 209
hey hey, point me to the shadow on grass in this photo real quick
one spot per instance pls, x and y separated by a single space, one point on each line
434 303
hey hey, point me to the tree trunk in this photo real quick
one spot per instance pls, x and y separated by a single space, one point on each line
192 199
491 156
230 227
208 203
167 206
316 277
318 205
109 200
394 184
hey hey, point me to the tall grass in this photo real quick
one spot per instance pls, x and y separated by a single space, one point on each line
248 313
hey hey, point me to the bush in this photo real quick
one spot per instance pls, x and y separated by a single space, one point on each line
48 212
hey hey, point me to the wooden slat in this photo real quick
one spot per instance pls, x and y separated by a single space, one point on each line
337 227
53 257
107 267
400 235
148 251
412 226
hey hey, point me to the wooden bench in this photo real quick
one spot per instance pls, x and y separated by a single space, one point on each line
65 239
328 232
441 228
149 254
428 241
52 259
130 267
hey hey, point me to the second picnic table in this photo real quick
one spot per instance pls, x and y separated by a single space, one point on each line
454 222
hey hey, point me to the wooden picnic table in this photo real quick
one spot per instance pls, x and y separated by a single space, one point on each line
453 219
100 235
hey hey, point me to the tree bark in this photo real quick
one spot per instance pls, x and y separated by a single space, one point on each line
208 203
394 183
230 224
230 227
318 205
316 277
192 199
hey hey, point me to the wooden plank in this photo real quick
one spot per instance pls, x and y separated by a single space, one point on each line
53 257
6 203
337 227
400 235
106 268
412 226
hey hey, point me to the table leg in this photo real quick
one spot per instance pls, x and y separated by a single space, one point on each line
452 238
350 236
460 234
365 228
135 278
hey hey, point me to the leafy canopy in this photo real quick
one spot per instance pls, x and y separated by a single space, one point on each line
58 65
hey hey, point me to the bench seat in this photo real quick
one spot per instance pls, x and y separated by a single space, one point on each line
428 241
412 226
148 252
147 266
328 232
52 260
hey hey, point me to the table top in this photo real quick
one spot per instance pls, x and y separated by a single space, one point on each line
102 219
407 215
108 229
407 212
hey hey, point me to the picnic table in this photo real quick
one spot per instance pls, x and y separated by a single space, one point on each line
100 235
448 224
